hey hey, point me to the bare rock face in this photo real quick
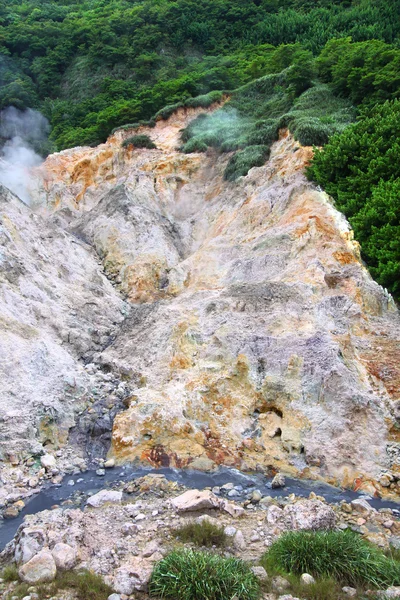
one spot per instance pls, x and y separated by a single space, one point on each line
55 307
255 338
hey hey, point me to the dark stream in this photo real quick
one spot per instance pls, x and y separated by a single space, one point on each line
90 483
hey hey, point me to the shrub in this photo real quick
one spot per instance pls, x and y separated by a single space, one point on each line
310 131
342 555
10 573
85 584
167 111
194 145
244 160
139 141
194 575
201 534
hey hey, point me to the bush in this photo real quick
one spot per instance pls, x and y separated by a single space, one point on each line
201 534
310 131
342 555
241 163
360 169
194 575
139 141
10 573
194 145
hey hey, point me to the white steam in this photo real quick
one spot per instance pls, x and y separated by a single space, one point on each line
21 132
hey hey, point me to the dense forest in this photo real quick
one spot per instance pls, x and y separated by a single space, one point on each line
327 69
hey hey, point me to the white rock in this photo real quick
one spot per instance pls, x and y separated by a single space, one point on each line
307 579
194 500
230 530
104 496
133 576
260 573
309 514
274 514
349 591
391 592
31 542
150 549
140 517
109 464
278 481
48 462
232 509
40 569
64 556
239 541
280 584
114 597
362 506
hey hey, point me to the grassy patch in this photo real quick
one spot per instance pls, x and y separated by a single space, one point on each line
341 555
243 161
139 141
202 534
193 575
250 121
9 573
85 584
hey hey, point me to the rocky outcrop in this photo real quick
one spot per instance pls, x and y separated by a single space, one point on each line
255 337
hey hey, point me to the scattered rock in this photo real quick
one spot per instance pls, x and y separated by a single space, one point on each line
239 541
11 512
135 576
278 481
48 462
307 579
194 500
150 549
260 573
64 556
280 584
39 569
349 591
114 597
309 514
362 506
391 592
104 496
109 464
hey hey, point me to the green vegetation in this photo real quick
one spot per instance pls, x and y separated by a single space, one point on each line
341 555
360 169
139 141
94 65
314 66
84 584
194 575
201 534
251 120
10 573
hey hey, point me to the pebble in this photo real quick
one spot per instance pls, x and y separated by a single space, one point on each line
140 517
307 579
100 472
349 591
71 482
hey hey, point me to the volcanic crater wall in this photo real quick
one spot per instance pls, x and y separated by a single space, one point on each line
254 335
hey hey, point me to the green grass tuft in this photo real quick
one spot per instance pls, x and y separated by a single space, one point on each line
10 573
202 534
341 555
244 160
194 575
139 141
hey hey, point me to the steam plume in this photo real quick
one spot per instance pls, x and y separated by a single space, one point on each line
23 134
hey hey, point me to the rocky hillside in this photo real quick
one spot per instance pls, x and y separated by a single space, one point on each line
204 322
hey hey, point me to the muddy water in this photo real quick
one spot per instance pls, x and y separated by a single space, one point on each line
90 483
